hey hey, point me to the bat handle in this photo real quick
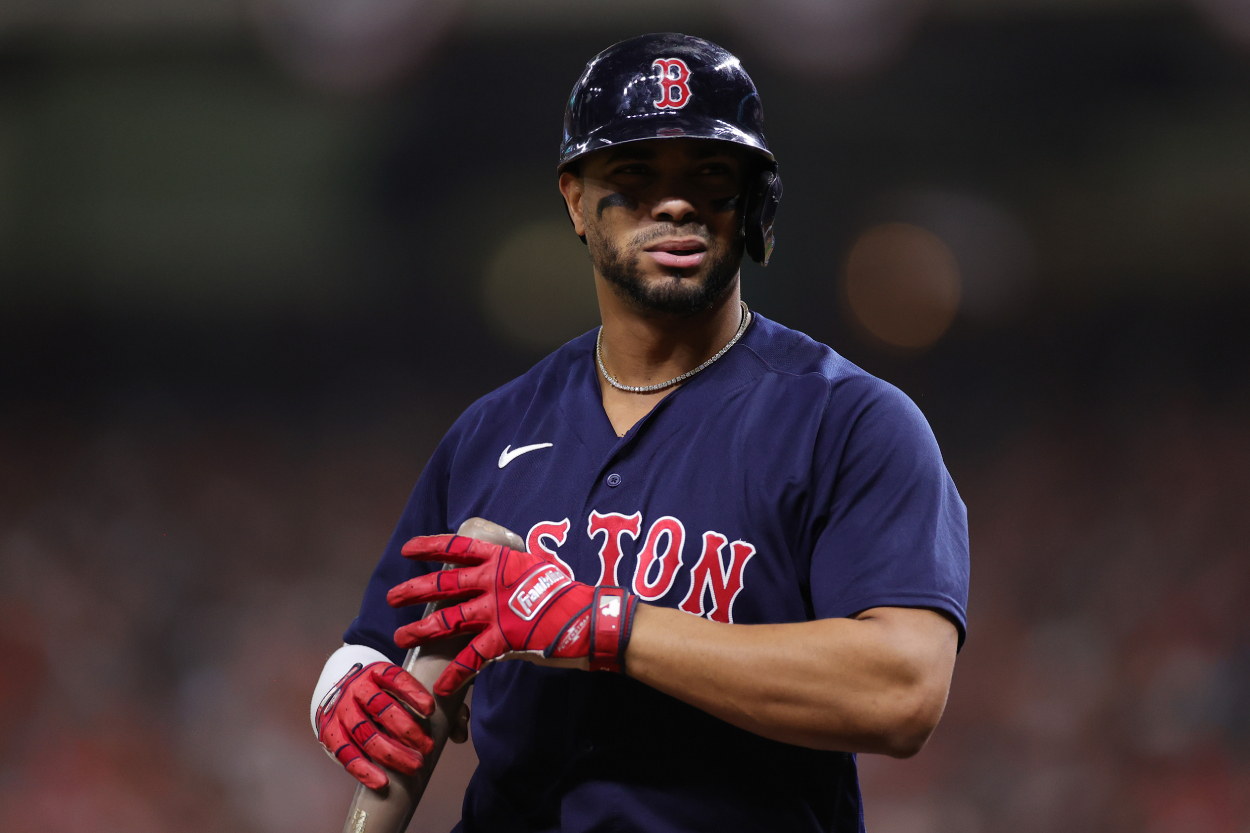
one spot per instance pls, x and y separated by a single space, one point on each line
390 809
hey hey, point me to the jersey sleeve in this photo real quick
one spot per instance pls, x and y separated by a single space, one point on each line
425 514
894 531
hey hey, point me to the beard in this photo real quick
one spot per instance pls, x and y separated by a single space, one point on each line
674 295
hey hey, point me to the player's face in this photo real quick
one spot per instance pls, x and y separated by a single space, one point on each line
662 219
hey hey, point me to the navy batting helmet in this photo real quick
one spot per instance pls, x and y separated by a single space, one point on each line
669 86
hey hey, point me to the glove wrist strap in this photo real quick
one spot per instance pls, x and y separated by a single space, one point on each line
611 619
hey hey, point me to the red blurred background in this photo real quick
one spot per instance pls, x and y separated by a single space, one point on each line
256 256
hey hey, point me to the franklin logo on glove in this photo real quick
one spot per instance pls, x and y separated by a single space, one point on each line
535 592
516 603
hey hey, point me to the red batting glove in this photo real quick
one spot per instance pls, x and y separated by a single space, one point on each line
514 601
350 715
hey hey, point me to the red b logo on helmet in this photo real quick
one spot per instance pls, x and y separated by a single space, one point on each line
674 91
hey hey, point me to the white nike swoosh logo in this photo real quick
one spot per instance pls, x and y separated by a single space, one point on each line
508 455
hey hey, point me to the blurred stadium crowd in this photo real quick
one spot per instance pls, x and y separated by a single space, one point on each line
255 257
168 597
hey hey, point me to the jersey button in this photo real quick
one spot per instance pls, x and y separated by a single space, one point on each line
614 480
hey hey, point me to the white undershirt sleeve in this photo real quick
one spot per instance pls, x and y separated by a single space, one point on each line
337 667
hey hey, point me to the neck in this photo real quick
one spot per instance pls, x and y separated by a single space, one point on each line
644 348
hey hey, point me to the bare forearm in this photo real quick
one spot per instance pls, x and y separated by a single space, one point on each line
877 683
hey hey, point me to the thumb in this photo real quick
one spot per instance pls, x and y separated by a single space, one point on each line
460 728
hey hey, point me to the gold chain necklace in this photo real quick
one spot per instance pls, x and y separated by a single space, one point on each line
742 327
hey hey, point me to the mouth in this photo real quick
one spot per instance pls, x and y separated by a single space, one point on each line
683 253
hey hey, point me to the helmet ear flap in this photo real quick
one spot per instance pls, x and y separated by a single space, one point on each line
760 213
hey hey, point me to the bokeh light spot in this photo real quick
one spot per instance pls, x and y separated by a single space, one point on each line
1229 18
539 290
347 46
901 284
829 39
997 265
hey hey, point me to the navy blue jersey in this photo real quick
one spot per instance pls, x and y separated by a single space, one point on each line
782 484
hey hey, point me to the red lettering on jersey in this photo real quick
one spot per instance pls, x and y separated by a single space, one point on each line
613 525
555 532
674 89
665 564
710 573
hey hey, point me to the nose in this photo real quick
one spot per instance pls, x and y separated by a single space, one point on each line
675 209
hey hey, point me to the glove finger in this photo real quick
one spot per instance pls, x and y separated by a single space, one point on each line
405 686
386 751
380 748
366 773
450 549
438 625
395 721
484 648
338 742
432 587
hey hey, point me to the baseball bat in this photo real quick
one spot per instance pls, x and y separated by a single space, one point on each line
390 809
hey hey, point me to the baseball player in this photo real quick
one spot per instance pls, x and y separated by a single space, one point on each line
746 559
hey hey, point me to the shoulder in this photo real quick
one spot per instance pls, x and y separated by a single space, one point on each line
546 379
848 391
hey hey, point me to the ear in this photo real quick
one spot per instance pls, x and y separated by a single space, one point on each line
572 188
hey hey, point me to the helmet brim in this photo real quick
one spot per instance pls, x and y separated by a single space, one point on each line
663 125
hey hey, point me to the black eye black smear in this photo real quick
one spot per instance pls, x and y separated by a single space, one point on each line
726 204
617 201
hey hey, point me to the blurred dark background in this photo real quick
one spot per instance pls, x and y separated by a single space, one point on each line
256 255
